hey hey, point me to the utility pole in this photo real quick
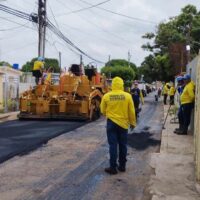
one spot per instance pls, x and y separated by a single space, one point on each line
129 58
81 65
81 59
109 57
188 38
42 16
60 61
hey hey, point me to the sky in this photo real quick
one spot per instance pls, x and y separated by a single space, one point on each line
96 32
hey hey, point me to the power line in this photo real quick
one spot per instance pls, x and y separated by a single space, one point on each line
120 14
13 28
68 41
104 30
16 13
13 50
52 27
87 8
22 25
53 15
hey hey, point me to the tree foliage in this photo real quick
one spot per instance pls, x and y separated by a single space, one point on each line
155 68
122 63
4 63
182 29
120 67
49 62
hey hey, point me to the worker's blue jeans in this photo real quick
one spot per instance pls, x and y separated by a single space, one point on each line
117 138
187 110
180 116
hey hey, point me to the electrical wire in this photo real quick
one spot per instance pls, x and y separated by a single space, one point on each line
87 8
120 14
22 25
51 26
13 50
68 41
99 27
53 15
15 12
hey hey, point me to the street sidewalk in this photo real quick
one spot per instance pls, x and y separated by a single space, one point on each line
174 177
8 116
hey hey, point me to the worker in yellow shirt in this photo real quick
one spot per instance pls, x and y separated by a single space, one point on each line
172 92
118 107
165 92
187 103
48 78
37 69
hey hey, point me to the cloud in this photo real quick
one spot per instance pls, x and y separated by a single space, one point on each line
95 31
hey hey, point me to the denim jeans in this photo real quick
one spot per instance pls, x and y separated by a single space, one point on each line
117 139
180 116
187 110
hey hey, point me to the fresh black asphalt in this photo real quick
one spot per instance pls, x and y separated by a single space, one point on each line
20 137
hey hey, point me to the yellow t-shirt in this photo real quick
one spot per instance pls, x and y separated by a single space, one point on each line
48 78
172 91
165 89
38 65
188 93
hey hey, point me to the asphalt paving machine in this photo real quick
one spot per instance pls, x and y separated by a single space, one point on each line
77 96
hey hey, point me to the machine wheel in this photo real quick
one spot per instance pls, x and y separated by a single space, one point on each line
95 112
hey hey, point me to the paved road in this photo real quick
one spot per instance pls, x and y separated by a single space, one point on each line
20 137
71 166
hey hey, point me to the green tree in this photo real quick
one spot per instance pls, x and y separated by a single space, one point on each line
49 62
122 63
4 63
126 73
182 29
156 67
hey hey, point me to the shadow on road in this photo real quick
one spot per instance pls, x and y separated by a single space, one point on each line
142 140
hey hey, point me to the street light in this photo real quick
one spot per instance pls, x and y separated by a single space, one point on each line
188 47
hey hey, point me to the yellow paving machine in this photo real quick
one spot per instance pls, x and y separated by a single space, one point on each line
77 96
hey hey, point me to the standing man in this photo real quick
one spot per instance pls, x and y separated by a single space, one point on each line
180 87
137 96
118 107
165 92
37 69
172 92
187 103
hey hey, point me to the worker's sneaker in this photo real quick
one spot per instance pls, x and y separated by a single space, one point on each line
177 130
121 169
110 170
181 132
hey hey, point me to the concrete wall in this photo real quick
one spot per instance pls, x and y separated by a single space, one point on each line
192 70
197 120
1 92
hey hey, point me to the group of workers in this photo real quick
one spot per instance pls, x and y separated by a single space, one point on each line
41 75
121 109
169 90
186 93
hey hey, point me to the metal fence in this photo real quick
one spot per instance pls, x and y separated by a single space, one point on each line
10 94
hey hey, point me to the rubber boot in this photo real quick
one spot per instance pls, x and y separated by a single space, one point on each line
183 131
178 129
111 171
